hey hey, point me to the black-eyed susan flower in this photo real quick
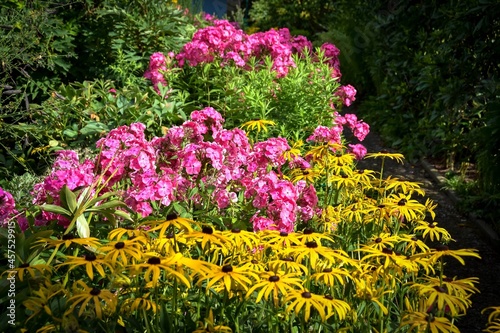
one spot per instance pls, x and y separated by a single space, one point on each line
292 153
228 277
143 303
336 307
123 251
427 322
321 153
279 239
438 296
330 217
387 257
383 240
308 235
310 175
154 266
85 296
207 236
68 240
456 287
242 239
403 186
384 154
413 244
444 251
90 261
431 230
329 275
258 124
287 264
403 205
31 269
254 265
363 176
312 252
129 232
367 290
342 180
209 326
276 284
170 225
40 300
493 319
306 301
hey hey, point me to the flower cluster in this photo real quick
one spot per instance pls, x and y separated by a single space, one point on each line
66 170
223 41
167 169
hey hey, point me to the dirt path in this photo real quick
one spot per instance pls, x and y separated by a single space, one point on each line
462 229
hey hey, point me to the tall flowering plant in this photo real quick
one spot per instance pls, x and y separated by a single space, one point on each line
150 175
268 75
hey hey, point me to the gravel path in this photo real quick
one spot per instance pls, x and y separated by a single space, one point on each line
462 229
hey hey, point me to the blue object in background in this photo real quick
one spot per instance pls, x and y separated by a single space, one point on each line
215 7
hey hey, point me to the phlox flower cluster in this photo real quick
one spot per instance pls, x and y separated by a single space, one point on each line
66 170
333 135
198 152
8 210
224 41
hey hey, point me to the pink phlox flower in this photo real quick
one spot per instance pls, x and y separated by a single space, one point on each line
270 152
208 118
7 207
190 161
361 130
347 94
214 153
262 223
358 150
326 134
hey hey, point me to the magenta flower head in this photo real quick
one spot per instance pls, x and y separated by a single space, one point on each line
347 94
7 206
358 150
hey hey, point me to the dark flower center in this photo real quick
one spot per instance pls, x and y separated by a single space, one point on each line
360 171
327 270
95 291
414 239
171 216
440 289
311 245
442 247
432 225
402 202
68 237
207 230
283 234
381 206
387 250
119 245
227 268
90 257
154 261
306 294
345 176
274 278
308 231
235 231
290 259
329 297
378 240
170 235
255 262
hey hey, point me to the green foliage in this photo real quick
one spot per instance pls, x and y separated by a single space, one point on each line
301 17
297 103
429 74
75 118
117 37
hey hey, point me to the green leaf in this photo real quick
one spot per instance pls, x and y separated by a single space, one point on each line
68 199
82 227
56 209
